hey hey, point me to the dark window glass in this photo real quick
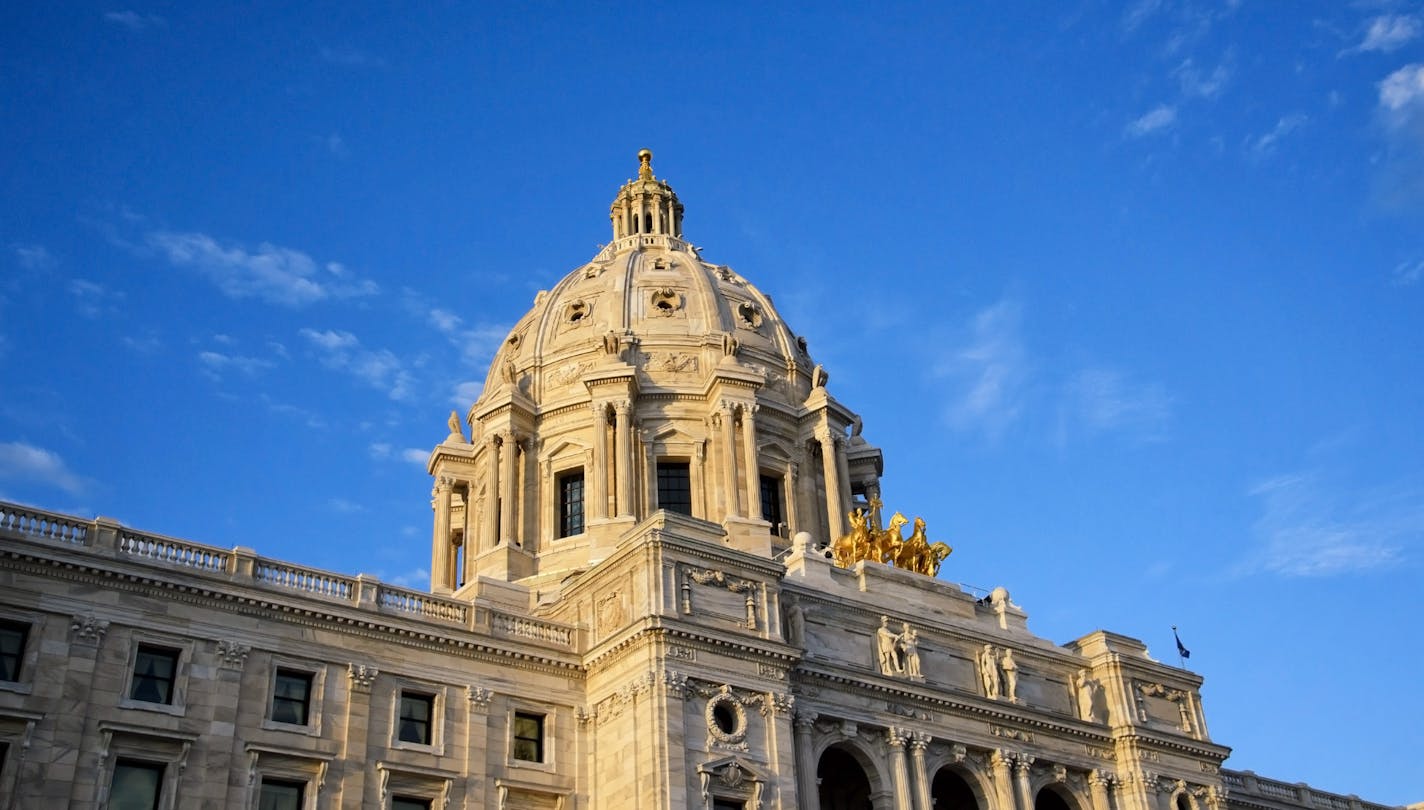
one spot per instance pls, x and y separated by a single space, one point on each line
12 649
529 737
291 696
402 803
136 785
771 500
570 503
154 671
415 712
727 804
674 487
281 795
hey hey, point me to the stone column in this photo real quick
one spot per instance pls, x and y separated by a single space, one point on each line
623 456
596 477
440 544
749 450
491 527
729 458
807 785
843 468
835 516
1022 763
510 475
1002 764
899 774
356 744
1098 782
919 778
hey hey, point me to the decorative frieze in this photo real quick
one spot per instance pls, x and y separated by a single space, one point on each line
1008 733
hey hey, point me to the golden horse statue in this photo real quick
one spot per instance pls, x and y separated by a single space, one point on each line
914 553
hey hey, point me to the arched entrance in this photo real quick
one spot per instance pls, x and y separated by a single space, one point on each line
844 785
1050 799
949 791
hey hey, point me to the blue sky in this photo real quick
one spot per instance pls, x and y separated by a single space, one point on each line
1128 293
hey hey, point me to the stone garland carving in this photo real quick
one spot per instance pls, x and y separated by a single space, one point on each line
898 654
569 373
726 721
362 676
998 674
1180 697
719 579
1010 733
902 710
88 628
671 362
232 654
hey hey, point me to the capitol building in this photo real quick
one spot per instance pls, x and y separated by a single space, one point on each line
664 576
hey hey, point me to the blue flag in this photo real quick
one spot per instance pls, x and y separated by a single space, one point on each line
1181 648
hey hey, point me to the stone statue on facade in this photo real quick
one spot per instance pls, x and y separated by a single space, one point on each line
885 643
989 672
1011 676
1086 689
456 432
908 643
795 622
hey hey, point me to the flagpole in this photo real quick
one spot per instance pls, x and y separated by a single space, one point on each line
1181 661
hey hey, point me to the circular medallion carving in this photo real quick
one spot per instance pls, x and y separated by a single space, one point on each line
726 719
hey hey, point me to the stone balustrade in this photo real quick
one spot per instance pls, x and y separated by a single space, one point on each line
1243 786
23 520
106 539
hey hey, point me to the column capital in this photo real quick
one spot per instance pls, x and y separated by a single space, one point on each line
1101 778
1022 762
919 741
805 720
1002 758
750 408
622 406
896 737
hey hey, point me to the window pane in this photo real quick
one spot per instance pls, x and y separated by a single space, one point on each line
528 742
12 649
674 487
570 504
415 711
771 500
281 795
291 695
135 786
153 675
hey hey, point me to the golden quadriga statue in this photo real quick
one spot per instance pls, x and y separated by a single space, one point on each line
914 553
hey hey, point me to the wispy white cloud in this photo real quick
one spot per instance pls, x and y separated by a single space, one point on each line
215 363
1401 112
1158 119
465 393
379 450
344 506
988 373
34 257
28 464
415 455
384 451
148 343
271 273
1139 13
1103 400
415 578
1389 32
1265 144
92 299
313 420
134 20
1407 274
1196 83
336 145
378 368
1311 527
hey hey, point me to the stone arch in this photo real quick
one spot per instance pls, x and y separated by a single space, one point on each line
846 777
871 763
1057 795
1181 798
955 787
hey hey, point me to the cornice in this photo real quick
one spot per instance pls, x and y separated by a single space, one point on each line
251 601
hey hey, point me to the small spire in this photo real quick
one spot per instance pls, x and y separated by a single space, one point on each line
645 164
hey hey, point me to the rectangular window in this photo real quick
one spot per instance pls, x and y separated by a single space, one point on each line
528 737
571 503
675 486
291 697
727 804
12 649
154 671
277 795
136 785
403 803
771 500
415 714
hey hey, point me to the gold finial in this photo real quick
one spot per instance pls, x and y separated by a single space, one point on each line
645 164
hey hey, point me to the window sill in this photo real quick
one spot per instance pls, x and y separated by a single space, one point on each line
18 687
310 729
175 709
